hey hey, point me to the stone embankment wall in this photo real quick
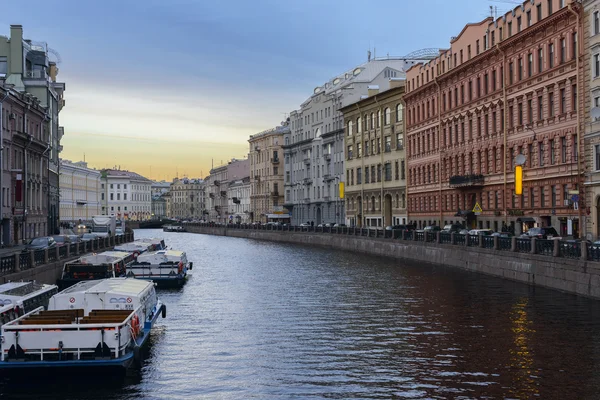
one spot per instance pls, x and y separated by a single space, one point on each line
569 275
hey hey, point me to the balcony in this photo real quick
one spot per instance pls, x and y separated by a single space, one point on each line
307 160
81 202
218 208
36 74
275 160
257 178
217 183
307 181
236 200
328 177
223 193
275 194
306 200
211 195
327 157
327 198
459 181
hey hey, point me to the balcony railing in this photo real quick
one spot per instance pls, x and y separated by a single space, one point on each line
306 200
466 180
327 156
257 178
223 193
274 194
328 177
236 200
275 160
308 181
327 198
307 160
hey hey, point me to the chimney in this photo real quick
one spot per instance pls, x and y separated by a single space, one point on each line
15 67
372 90
52 71
397 82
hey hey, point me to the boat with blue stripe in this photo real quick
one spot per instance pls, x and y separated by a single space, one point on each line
102 324
168 268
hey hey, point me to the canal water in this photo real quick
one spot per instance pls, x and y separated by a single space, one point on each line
260 320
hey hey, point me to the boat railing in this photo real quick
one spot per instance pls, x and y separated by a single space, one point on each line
80 339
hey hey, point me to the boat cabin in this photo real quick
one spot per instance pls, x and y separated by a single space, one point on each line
134 247
109 264
27 295
156 243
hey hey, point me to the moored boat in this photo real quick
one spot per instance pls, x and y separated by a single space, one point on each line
155 243
93 324
173 228
26 296
135 248
168 268
108 264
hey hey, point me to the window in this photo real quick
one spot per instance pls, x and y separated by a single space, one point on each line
509 28
530 111
542 196
399 112
388 116
540 60
563 101
552 157
470 92
540 108
520 113
493 38
563 50
102 196
551 55
511 117
541 153
477 46
124 186
549 6
550 105
596 22
518 24
563 151
520 68
388 171
112 197
574 44
388 144
596 65
485 83
111 186
350 152
539 12
529 18
493 80
532 197
402 170
597 156
529 65
358 176
510 73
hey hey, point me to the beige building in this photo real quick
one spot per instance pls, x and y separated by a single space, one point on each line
591 60
216 194
266 175
187 198
80 192
375 160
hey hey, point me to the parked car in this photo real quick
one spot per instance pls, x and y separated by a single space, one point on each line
464 231
86 237
61 240
452 228
430 228
338 225
304 224
503 234
485 232
400 228
40 243
546 232
73 238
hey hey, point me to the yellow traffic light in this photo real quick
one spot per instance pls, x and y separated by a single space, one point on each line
518 180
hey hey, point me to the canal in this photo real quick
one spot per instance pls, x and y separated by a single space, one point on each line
271 321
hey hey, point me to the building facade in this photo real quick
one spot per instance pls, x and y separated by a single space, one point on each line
375 158
266 175
216 190
28 66
591 102
187 199
126 194
239 200
314 147
504 88
159 206
160 188
80 192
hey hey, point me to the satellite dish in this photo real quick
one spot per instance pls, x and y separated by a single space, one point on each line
520 159
595 113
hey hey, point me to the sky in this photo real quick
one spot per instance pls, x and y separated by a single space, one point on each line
170 88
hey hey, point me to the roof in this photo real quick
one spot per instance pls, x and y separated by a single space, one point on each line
112 285
115 173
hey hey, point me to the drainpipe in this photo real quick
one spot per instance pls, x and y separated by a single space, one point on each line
25 186
505 105
582 223
439 141
2 170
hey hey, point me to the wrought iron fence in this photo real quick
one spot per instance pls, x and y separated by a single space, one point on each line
39 257
420 236
73 248
504 243
473 240
51 255
544 246
445 238
593 252
62 251
25 261
409 235
523 245
459 239
7 265
569 249
488 242
431 237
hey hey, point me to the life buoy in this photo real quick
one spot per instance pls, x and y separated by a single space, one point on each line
135 326
180 266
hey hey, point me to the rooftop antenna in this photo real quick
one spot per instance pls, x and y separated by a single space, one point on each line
369 54
83 157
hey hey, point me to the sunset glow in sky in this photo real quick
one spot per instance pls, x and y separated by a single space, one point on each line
169 87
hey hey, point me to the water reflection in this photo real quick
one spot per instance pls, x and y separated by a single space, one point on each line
270 321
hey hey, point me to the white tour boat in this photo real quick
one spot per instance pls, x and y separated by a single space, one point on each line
26 296
156 243
135 248
165 267
108 264
93 324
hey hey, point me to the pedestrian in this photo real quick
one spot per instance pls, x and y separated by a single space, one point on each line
312 223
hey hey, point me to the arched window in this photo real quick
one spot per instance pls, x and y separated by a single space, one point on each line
378 118
388 116
373 203
349 128
358 125
372 120
399 112
403 200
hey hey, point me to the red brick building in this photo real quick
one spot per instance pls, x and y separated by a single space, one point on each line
504 87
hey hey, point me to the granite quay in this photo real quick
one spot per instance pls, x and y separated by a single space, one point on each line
569 266
45 266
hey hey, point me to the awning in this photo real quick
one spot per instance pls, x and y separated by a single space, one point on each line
526 219
278 216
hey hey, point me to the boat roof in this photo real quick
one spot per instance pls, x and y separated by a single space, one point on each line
150 240
170 255
120 254
20 288
126 286
132 245
102 258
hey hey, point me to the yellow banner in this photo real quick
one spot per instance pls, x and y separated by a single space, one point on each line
518 180
341 190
